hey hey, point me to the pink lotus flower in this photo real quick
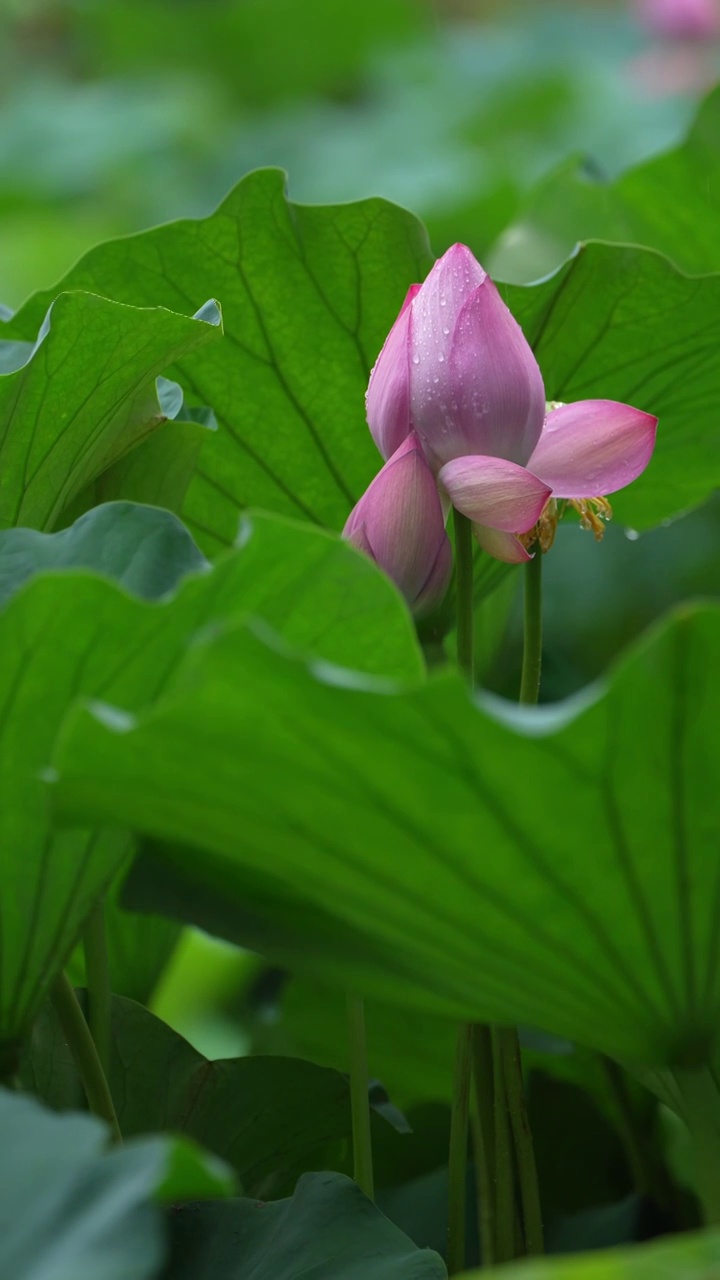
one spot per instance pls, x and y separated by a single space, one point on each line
457 370
680 19
399 523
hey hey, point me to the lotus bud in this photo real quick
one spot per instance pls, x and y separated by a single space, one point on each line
399 523
457 369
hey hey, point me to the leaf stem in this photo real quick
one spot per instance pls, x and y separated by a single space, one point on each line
484 1140
464 602
457 1159
701 1105
359 1096
532 646
504 1163
97 977
522 1139
649 1173
85 1055
460 1106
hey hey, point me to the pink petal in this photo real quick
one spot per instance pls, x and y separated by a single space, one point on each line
444 293
387 400
503 546
680 19
593 447
433 592
494 492
399 522
475 386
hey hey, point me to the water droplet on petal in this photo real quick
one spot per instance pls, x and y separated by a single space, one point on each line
416 359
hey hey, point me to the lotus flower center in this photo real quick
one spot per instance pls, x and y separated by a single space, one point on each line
593 512
544 531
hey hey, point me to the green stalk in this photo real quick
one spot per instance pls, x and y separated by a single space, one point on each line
512 1125
505 1223
359 1096
532 646
701 1104
484 1140
85 1056
460 1107
97 977
649 1173
457 1159
522 1139
464 602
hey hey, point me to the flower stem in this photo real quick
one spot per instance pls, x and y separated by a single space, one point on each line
532 647
85 1055
359 1096
460 1106
457 1159
97 977
512 1124
701 1104
464 602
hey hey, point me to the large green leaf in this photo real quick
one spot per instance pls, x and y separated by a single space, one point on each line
328 1230
145 549
553 867
669 203
160 469
85 397
71 1210
412 1054
139 947
270 1118
70 634
308 295
148 551
686 1257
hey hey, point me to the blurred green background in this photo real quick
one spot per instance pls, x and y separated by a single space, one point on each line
117 114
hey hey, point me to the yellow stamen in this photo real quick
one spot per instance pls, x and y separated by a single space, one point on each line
593 512
544 531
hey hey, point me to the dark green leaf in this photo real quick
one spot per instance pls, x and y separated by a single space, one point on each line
687 1257
72 1210
70 634
308 295
328 1230
145 549
271 1119
139 948
84 399
410 1052
551 867
157 472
